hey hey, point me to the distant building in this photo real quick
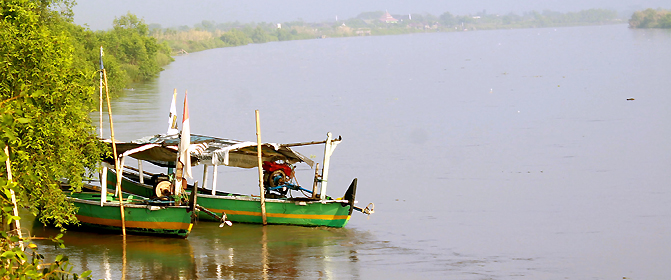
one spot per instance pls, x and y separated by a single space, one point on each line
388 18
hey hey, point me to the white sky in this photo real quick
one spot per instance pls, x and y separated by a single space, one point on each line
99 14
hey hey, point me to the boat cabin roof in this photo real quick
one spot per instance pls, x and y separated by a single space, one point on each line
162 150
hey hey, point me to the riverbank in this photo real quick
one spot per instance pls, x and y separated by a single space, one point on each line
209 34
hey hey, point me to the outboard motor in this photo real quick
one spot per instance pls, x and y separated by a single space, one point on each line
276 176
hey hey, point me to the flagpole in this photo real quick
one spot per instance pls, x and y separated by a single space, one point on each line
101 92
183 164
259 155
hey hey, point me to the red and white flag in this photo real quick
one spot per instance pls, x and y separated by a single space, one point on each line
185 141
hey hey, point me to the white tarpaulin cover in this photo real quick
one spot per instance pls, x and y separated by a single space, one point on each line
212 151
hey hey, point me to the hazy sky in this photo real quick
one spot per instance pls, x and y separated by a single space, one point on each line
99 14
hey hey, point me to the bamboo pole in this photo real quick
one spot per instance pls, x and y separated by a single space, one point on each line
116 160
11 191
259 155
103 172
311 142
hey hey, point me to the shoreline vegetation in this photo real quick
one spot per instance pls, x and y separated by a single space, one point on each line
651 18
209 34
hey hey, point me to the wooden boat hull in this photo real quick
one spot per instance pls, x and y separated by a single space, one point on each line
140 219
247 209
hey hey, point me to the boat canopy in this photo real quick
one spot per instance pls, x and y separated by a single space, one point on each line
162 150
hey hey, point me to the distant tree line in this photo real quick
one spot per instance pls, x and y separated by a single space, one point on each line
130 53
209 34
651 18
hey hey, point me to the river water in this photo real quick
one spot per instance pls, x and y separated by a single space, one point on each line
506 154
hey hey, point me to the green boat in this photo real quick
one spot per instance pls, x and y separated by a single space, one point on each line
314 208
136 215
247 209
142 215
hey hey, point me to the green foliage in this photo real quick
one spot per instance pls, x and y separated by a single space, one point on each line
261 36
206 26
29 264
235 37
665 21
447 19
44 101
651 18
130 44
283 35
131 54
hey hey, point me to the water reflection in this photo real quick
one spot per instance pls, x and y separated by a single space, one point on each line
112 256
650 34
240 252
254 251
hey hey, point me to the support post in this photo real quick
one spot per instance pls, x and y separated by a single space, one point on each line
205 175
139 167
259 155
329 147
325 170
119 177
316 182
103 185
214 180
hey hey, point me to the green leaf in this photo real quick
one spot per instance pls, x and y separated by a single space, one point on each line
37 93
24 120
8 254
